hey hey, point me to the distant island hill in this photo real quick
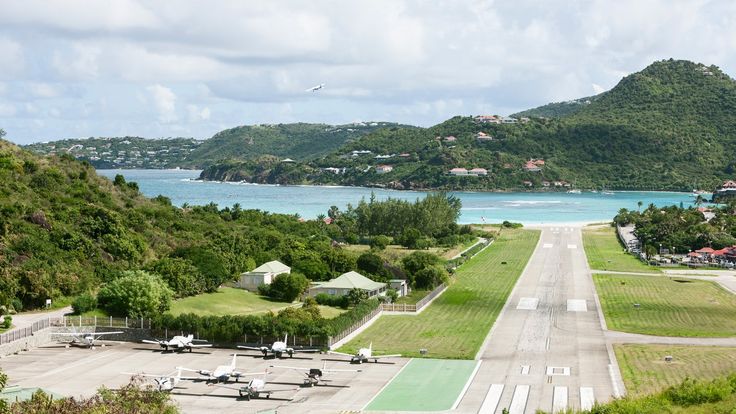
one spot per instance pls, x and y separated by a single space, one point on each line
670 126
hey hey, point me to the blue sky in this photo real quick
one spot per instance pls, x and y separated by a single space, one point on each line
78 68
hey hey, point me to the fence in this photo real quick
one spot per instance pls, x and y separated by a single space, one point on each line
357 325
109 322
403 307
21 333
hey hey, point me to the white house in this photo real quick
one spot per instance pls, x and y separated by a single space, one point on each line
478 171
342 285
383 169
458 171
261 275
400 286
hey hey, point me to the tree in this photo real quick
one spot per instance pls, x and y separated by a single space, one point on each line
410 237
380 242
372 264
3 376
287 287
180 274
355 296
417 261
430 277
84 303
136 294
119 180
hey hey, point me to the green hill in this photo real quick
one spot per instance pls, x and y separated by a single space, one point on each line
557 109
671 126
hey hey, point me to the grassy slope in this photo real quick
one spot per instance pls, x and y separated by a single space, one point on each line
667 308
644 370
605 252
455 325
227 301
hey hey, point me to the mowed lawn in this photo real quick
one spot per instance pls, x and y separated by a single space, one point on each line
667 306
605 252
644 370
456 323
226 301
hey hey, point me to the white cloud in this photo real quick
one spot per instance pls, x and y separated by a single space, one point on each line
165 101
7 110
43 90
13 59
80 63
196 114
597 88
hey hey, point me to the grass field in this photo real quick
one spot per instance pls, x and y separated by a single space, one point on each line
667 307
605 252
413 297
226 301
456 323
424 385
644 370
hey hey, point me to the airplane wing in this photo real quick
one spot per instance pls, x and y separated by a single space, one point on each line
199 345
342 370
73 334
106 333
272 390
385 356
340 353
248 374
286 367
253 348
307 350
148 341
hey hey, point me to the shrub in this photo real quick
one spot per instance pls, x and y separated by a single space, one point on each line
692 392
7 321
288 286
380 242
510 225
84 303
332 300
136 294
430 276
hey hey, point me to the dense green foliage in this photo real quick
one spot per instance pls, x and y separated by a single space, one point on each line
136 294
668 127
683 229
285 287
557 109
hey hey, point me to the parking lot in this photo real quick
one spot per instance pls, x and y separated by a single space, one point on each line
79 372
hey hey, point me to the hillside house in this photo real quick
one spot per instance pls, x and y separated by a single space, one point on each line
531 167
400 286
508 120
545 183
528 183
261 275
383 169
458 171
487 119
478 171
450 139
342 285
483 137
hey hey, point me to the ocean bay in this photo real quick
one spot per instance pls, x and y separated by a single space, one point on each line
310 201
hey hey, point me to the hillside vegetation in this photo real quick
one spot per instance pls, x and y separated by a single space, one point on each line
669 127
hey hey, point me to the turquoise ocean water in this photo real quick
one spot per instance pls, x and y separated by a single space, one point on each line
310 201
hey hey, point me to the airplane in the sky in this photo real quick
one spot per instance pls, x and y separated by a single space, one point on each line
365 355
163 382
222 373
316 88
278 349
257 387
178 343
315 376
84 339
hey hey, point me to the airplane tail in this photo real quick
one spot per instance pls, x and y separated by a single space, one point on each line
370 347
177 378
286 338
235 357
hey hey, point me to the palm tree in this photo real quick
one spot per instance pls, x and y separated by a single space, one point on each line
639 204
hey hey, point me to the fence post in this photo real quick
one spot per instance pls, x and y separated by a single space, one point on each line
80 320
126 321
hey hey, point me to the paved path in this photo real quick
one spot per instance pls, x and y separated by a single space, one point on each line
547 350
725 278
26 319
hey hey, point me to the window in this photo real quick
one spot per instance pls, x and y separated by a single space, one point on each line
331 292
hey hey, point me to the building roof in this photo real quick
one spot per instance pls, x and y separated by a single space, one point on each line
458 169
352 280
705 250
273 266
479 170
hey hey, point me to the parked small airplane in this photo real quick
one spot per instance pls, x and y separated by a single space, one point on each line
315 376
316 88
222 373
85 339
257 387
163 382
364 355
178 343
278 349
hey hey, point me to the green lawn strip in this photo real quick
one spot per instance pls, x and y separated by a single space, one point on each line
605 252
644 370
413 297
667 306
424 385
226 301
329 312
457 322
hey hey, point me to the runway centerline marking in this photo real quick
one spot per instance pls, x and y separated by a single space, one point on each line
490 403
518 400
528 303
572 246
559 399
577 305
547 246
587 399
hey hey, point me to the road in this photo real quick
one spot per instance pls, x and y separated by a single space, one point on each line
547 350
26 319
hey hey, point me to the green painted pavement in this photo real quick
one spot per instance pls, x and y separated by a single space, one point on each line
424 385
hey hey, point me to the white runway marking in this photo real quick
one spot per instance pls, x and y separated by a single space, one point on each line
490 403
558 371
572 246
547 246
525 369
528 303
577 305
559 399
586 398
518 401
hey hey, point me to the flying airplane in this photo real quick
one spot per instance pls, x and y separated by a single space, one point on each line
278 349
222 373
365 355
314 376
85 339
178 343
316 88
163 382
257 387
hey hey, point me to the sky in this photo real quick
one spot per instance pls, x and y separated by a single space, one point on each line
189 68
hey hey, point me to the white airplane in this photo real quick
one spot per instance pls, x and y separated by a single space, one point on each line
278 349
315 376
316 88
163 382
85 339
364 355
257 387
178 343
222 373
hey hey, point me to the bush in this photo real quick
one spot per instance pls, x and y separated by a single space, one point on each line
692 392
287 287
430 277
380 242
136 294
84 303
7 321
393 295
510 225
332 300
